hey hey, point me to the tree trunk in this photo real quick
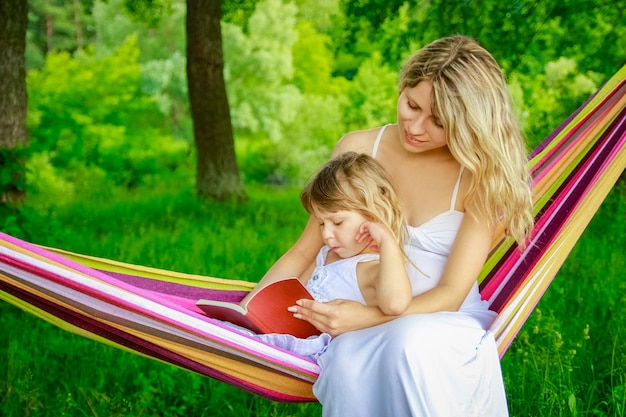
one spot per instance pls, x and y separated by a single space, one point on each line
217 174
13 98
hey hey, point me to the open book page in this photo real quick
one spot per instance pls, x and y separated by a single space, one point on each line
266 311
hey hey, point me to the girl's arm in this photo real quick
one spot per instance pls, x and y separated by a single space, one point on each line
468 254
391 281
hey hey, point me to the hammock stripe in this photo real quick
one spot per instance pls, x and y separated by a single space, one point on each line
573 171
152 311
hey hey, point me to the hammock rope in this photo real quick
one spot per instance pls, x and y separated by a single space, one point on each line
152 311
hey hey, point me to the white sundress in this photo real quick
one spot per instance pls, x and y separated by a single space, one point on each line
441 364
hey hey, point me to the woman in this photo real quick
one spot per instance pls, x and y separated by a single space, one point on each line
458 163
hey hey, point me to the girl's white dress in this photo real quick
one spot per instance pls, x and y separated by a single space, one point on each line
337 279
328 282
428 365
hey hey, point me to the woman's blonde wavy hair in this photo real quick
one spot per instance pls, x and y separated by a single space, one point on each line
356 182
472 100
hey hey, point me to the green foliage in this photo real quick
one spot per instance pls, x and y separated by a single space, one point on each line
592 33
12 181
259 70
45 179
320 123
90 118
286 107
551 97
312 60
299 74
396 40
114 25
238 12
12 168
324 15
165 81
373 12
522 35
150 12
57 25
373 94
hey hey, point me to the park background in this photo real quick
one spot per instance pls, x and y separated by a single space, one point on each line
111 172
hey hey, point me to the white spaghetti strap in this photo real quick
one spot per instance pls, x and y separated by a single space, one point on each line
380 135
456 189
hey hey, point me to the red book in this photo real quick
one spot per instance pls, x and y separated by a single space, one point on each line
266 311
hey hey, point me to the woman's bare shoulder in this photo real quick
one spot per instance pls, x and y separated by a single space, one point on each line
361 141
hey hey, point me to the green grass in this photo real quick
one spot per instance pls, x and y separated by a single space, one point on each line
568 360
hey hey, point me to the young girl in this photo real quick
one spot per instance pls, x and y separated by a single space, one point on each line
361 225
362 228
458 162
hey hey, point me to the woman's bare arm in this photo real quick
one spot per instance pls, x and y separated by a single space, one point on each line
467 257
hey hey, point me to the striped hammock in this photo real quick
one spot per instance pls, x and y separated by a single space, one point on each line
152 312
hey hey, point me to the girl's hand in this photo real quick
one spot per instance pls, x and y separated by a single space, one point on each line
337 316
374 233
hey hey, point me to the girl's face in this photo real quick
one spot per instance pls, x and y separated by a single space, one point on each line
420 131
338 231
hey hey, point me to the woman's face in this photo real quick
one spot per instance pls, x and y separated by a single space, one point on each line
420 131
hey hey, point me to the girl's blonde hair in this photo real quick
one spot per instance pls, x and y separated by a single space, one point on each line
356 182
471 98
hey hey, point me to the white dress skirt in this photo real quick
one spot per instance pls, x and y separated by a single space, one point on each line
429 365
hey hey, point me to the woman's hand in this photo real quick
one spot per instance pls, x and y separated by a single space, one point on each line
337 316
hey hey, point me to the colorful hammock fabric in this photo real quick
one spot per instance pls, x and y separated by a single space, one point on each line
152 311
